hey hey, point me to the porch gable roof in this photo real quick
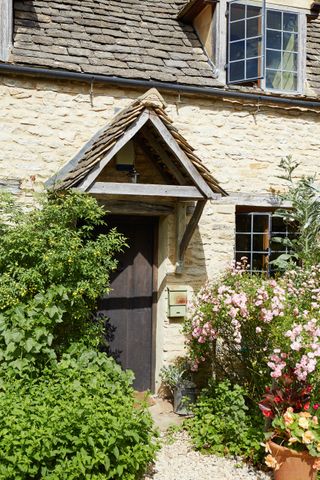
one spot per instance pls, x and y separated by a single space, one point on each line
82 171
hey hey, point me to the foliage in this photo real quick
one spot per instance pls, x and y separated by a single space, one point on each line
67 411
75 421
297 431
304 196
248 325
54 266
176 374
286 392
222 423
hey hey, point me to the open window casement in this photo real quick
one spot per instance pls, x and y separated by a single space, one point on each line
246 41
265 45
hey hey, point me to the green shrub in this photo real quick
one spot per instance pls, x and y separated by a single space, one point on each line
223 424
53 270
76 421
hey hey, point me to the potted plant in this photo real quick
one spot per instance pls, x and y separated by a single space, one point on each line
293 446
177 378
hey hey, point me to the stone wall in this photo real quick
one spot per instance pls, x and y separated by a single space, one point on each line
43 124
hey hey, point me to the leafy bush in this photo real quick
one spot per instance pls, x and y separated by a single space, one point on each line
53 269
304 197
67 411
76 421
222 424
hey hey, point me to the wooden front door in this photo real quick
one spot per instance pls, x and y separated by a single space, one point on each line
129 304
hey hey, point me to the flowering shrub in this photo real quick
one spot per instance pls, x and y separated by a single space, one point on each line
256 329
298 431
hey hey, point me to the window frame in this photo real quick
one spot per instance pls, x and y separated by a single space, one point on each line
269 233
302 37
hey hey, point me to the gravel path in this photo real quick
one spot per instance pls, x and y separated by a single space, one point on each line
177 461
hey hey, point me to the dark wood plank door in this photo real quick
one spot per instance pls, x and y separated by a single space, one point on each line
129 305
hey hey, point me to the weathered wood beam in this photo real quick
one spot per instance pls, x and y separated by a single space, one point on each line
146 150
181 156
192 225
165 158
126 137
143 189
120 207
269 200
6 23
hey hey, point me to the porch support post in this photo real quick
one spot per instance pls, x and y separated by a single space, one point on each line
189 231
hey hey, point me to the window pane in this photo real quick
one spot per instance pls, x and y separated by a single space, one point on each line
290 22
290 42
240 255
238 11
274 20
243 242
273 59
260 242
253 27
252 68
253 11
289 81
253 47
278 246
260 223
237 31
236 71
259 261
290 61
243 223
273 79
274 39
237 51
278 224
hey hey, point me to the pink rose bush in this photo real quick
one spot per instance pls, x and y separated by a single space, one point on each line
255 329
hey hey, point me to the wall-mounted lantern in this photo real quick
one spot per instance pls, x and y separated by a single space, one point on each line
177 301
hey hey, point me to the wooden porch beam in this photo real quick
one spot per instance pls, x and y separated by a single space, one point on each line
126 137
189 231
143 189
122 207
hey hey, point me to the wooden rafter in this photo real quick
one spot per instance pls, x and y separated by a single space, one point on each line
165 158
128 135
181 156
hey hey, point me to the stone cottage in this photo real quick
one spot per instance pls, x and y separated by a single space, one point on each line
175 115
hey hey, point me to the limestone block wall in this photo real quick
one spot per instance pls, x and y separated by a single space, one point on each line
44 123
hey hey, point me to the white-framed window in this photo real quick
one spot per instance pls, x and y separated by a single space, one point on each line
265 45
255 234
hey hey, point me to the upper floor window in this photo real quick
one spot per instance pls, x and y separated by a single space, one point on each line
263 46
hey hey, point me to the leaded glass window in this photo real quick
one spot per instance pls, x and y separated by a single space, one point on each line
263 45
255 232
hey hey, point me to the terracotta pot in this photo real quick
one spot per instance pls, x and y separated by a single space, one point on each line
293 465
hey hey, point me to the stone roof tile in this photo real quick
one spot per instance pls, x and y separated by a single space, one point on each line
127 38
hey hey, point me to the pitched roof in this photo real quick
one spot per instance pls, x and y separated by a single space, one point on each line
101 144
134 39
128 38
